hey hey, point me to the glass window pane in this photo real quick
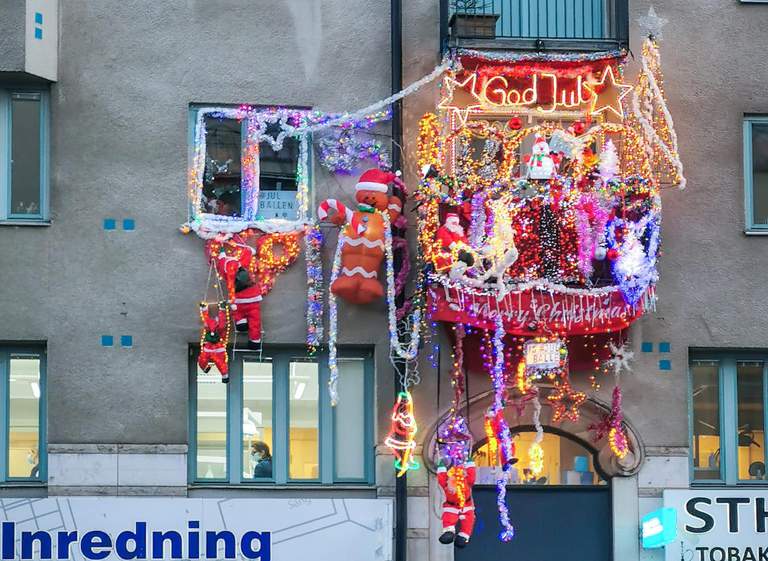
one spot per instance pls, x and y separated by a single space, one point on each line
25 154
304 421
564 462
760 174
751 427
24 416
706 419
257 420
277 178
349 420
221 179
211 426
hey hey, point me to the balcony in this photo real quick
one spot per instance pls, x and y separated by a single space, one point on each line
537 25
29 41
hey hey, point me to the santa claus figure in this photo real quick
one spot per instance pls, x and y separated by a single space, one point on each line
452 240
456 482
233 263
542 164
213 351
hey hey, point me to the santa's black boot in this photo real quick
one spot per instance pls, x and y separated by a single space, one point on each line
447 537
460 541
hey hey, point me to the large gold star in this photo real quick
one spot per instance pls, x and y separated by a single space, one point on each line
565 402
607 95
461 113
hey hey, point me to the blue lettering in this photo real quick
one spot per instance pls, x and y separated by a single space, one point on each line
65 539
93 540
265 545
9 540
139 540
194 540
212 544
158 544
28 540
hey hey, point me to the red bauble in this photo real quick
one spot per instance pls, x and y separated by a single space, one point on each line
578 127
515 123
612 254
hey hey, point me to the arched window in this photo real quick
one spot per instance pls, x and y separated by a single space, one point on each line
566 461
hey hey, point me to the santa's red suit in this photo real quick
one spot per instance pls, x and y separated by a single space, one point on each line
214 347
245 294
449 235
453 511
247 311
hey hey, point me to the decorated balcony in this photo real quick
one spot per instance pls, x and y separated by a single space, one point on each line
535 24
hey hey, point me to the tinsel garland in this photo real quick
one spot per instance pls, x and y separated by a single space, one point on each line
504 436
342 151
591 219
509 56
634 269
333 318
612 426
313 240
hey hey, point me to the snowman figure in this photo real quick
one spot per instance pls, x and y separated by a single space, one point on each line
541 163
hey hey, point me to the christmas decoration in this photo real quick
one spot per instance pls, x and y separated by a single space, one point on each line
565 402
401 438
651 24
364 236
541 163
213 339
458 506
313 241
620 357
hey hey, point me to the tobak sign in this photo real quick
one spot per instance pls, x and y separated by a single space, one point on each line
719 525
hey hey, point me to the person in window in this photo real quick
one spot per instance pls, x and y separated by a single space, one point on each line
262 457
33 459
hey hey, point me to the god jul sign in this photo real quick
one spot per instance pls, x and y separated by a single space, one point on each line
542 91
535 311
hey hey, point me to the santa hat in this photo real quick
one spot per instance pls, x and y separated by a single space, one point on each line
539 139
375 180
451 215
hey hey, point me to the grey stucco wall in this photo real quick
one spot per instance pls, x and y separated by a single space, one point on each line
12 13
128 71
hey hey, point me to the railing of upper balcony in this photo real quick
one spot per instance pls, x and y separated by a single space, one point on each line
535 24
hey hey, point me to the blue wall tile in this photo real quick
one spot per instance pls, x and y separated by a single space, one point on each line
39 18
665 364
107 340
129 224
665 347
110 223
646 347
38 33
126 340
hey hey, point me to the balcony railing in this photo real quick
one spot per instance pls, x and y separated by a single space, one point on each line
535 24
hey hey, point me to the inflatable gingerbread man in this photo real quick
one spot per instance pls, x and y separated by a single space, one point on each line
363 249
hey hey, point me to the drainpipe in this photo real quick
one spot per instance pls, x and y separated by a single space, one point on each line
396 37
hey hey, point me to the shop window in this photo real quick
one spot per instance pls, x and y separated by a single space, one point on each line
756 173
245 168
273 422
22 371
23 155
565 462
728 400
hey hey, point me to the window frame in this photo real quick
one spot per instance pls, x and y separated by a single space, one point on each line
249 216
728 413
281 357
6 350
6 129
749 195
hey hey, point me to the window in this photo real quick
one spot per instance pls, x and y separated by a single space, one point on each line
245 166
23 155
565 462
273 422
728 400
22 371
756 173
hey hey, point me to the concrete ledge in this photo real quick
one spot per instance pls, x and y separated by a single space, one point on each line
152 448
152 491
81 491
670 451
82 448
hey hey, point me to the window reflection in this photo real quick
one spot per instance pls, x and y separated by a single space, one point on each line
257 445
349 420
25 153
750 430
222 174
706 419
211 427
304 421
24 416
566 462
760 174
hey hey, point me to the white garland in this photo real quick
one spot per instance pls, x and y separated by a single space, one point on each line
650 133
333 367
408 351
538 284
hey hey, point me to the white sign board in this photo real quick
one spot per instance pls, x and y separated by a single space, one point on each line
278 204
719 525
542 355
84 528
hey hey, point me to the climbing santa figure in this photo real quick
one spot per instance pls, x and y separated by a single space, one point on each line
456 482
363 236
213 350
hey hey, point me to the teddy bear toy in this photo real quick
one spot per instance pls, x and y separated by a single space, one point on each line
363 235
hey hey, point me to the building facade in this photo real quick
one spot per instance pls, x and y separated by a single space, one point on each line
100 332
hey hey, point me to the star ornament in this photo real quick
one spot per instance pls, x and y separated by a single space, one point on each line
461 113
606 95
565 403
651 24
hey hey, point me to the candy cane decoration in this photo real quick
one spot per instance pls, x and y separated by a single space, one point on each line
341 208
